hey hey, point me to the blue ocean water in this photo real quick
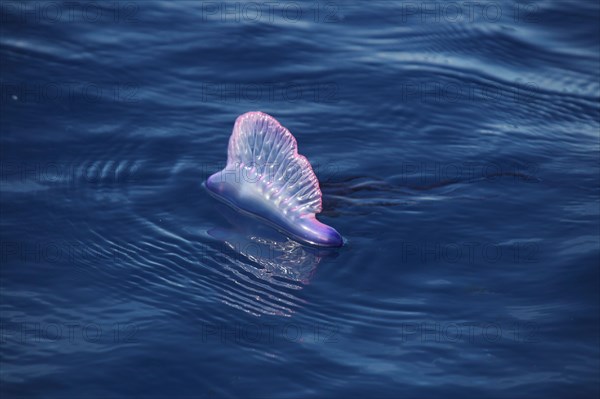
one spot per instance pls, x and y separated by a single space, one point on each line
457 146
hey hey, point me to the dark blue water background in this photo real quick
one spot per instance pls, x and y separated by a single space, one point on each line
457 149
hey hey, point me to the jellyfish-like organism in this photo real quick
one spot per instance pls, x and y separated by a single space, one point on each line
267 178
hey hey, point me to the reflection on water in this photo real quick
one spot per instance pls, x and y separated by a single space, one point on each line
276 263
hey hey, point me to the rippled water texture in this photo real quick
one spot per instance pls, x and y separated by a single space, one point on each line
457 149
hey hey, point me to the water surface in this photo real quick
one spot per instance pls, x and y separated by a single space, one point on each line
457 150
